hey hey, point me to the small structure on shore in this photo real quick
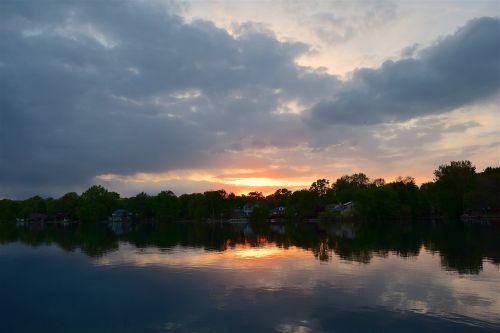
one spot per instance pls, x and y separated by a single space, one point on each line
486 216
20 222
119 221
278 212
120 215
249 207
342 208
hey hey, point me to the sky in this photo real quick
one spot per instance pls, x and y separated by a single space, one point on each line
242 95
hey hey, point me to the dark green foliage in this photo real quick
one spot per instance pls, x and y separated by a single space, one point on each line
166 206
408 201
234 202
302 204
141 206
255 196
9 210
259 214
33 205
215 202
193 206
485 195
320 187
280 197
259 219
452 182
377 202
345 187
97 203
68 205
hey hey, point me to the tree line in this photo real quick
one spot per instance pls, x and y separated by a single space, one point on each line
455 189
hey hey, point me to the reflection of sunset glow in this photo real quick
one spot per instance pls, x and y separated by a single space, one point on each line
258 252
262 256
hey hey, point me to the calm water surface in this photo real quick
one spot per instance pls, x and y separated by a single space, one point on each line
199 278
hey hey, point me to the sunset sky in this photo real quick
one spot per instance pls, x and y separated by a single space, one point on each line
242 95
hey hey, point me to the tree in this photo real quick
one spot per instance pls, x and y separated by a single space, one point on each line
302 204
166 206
193 206
280 197
68 204
452 181
259 219
97 203
234 202
320 187
378 182
408 196
9 210
405 180
485 195
255 196
259 214
141 206
456 170
345 187
377 202
215 201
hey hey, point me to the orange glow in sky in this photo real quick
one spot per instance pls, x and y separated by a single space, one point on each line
238 182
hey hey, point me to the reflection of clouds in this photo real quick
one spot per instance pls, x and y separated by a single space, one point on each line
477 295
418 285
294 328
432 290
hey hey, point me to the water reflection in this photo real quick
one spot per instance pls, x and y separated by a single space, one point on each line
461 248
288 278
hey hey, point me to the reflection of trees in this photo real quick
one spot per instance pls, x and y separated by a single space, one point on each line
322 251
209 236
376 239
94 240
461 248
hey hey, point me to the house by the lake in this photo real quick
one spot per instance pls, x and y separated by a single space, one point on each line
277 212
343 208
249 207
120 215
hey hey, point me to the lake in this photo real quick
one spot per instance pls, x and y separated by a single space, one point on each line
180 277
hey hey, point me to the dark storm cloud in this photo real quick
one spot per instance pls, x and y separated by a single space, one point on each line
457 71
89 89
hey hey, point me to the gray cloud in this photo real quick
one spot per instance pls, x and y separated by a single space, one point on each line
339 22
409 51
90 89
457 70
